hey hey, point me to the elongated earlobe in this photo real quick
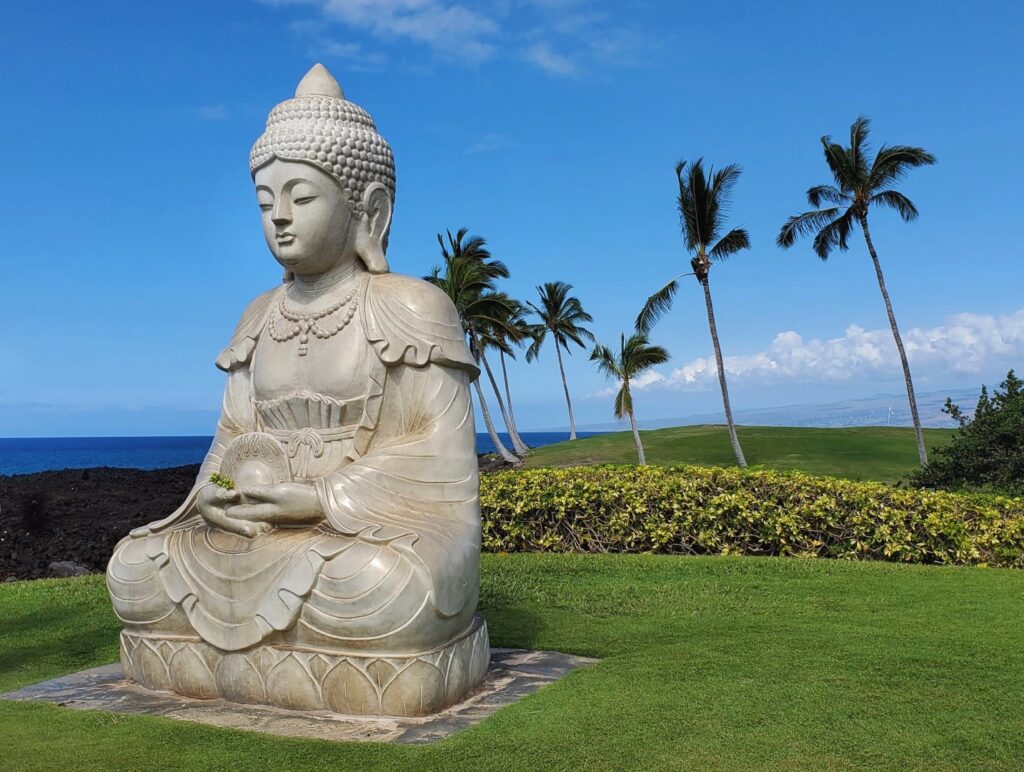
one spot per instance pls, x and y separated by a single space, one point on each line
372 236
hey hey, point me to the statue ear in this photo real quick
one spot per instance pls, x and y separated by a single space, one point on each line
372 235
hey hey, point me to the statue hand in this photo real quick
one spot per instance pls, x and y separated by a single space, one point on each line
212 500
283 504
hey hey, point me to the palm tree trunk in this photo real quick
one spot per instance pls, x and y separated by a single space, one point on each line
636 432
517 443
498 445
721 376
922 453
565 385
508 400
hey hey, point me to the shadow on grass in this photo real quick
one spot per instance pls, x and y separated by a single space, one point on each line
41 644
512 628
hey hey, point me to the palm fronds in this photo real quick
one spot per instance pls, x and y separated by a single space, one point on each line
896 200
635 356
657 306
804 225
732 242
860 181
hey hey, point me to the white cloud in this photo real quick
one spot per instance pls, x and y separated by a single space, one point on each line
449 28
559 37
644 380
546 58
647 379
968 344
321 44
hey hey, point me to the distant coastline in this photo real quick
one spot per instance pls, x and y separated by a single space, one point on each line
876 410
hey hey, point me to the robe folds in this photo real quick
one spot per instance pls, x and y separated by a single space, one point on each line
398 550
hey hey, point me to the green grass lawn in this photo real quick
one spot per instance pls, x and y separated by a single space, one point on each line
729 663
863 453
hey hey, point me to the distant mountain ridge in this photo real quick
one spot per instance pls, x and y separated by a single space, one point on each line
879 410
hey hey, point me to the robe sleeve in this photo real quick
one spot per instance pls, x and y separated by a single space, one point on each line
412 480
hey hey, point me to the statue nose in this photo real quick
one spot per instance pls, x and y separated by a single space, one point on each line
282 213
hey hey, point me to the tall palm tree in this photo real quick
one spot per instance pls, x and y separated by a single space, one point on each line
860 183
495 336
469 282
488 332
562 315
703 199
476 348
512 334
635 355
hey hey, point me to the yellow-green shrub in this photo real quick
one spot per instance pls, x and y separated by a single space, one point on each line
701 510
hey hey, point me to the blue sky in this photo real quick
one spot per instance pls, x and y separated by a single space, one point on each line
132 240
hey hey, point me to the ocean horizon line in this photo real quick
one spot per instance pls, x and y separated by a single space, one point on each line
30 455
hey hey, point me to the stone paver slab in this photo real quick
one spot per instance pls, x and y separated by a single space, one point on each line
512 675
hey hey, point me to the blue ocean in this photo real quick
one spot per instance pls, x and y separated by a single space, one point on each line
42 454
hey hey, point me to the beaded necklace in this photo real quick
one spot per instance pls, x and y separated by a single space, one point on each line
316 322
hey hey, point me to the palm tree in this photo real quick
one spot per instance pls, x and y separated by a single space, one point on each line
703 199
489 332
496 336
634 357
469 282
860 183
512 334
477 350
562 315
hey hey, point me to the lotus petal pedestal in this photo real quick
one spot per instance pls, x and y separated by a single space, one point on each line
312 679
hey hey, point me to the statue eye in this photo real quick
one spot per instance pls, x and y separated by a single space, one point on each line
266 207
303 199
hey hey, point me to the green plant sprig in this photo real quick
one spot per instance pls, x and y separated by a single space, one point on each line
222 480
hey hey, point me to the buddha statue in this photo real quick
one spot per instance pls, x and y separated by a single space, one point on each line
327 557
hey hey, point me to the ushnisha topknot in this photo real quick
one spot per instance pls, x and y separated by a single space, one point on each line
321 127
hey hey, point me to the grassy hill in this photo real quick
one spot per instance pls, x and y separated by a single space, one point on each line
861 453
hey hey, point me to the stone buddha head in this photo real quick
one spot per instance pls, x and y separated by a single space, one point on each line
325 181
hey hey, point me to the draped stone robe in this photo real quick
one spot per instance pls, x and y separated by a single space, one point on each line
394 568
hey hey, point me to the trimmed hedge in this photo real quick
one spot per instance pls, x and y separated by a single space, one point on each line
706 510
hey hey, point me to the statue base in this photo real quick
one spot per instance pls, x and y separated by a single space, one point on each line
311 679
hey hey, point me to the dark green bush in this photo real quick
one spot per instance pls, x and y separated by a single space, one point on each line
700 510
988 451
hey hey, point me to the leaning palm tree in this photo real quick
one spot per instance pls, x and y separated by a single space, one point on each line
476 347
635 355
494 335
518 333
506 337
703 199
562 315
469 284
490 333
860 183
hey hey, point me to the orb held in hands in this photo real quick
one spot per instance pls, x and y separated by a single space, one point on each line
332 562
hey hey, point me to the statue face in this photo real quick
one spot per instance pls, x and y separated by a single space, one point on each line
306 223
